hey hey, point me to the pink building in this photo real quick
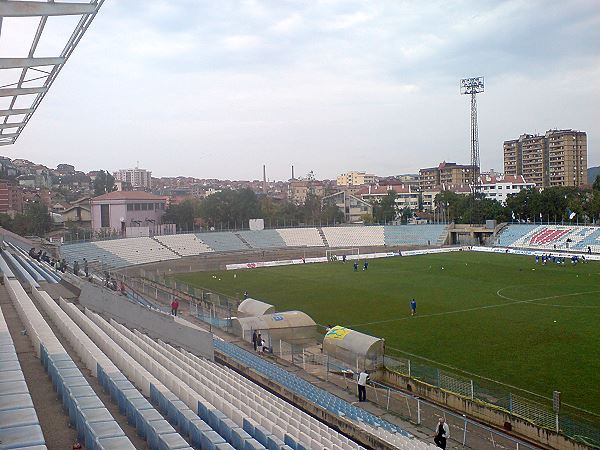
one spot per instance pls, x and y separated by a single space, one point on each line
128 212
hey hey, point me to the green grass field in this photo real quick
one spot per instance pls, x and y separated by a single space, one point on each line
497 316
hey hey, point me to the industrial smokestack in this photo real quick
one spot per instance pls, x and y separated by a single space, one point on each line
264 179
292 172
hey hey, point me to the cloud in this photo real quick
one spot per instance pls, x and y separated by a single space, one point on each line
348 20
329 85
241 42
289 24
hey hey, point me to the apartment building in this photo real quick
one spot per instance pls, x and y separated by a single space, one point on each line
407 196
498 187
567 157
445 174
137 178
11 198
355 179
299 189
557 158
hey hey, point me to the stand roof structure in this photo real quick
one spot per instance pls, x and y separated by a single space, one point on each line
29 68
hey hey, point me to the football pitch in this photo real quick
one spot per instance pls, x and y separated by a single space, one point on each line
496 316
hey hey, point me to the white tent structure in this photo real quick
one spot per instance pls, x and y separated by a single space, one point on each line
359 350
286 326
252 307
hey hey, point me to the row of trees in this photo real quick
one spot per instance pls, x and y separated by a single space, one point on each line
233 209
555 204
34 221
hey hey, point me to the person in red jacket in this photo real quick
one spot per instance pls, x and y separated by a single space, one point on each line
174 307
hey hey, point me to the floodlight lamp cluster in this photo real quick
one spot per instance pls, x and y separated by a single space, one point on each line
471 85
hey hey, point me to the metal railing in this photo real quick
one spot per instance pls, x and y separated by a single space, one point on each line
577 424
463 431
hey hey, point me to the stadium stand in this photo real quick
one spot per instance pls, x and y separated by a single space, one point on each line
75 392
184 244
138 250
224 410
222 241
325 399
263 239
151 425
511 233
19 424
354 236
42 269
546 237
131 402
301 237
93 253
120 253
414 234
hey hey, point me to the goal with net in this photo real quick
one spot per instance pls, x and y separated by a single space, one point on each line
339 253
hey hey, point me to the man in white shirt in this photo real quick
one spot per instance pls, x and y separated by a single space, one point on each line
442 433
362 386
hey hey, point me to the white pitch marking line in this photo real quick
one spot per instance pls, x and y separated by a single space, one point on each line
498 305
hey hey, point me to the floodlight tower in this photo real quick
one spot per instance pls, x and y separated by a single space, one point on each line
473 86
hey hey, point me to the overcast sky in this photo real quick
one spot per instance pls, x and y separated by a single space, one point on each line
214 89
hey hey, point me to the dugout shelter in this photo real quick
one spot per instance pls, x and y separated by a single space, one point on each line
251 307
288 326
359 350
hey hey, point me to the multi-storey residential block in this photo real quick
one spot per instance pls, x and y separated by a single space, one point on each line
355 179
558 158
137 178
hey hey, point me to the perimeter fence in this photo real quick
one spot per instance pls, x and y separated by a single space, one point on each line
464 432
579 425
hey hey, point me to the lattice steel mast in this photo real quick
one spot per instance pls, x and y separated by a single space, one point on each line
473 86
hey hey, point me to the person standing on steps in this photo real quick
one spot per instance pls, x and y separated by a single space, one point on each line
259 342
86 268
254 339
362 385
442 433
174 307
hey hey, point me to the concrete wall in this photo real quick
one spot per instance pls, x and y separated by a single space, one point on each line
158 325
484 413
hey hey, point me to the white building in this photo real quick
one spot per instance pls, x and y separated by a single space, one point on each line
355 179
499 187
137 178
406 196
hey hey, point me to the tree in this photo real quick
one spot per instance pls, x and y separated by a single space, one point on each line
104 183
38 219
405 215
464 208
233 208
183 214
385 210
331 214
596 185
312 208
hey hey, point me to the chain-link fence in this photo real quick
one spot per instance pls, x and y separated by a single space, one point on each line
579 425
223 301
463 432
